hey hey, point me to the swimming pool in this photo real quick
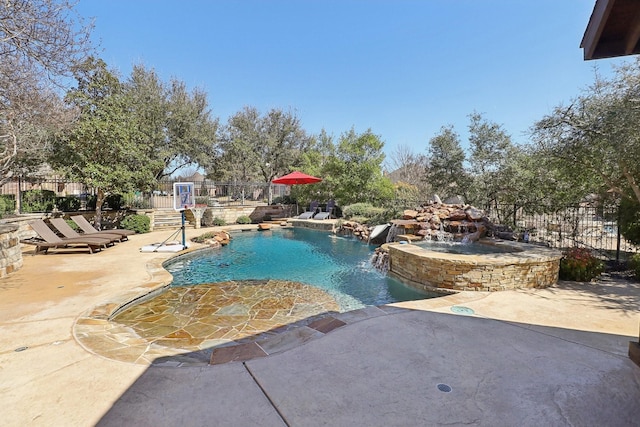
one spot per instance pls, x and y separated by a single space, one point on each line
340 266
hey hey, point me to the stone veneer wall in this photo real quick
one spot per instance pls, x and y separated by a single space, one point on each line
10 251
529 266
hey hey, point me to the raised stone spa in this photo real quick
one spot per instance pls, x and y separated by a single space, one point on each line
500 265
524 266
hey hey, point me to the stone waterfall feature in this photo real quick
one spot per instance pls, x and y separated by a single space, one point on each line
444 222
506 265
434 222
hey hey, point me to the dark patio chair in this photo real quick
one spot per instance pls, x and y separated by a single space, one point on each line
49 240
68 232
327 212
88 229
313 208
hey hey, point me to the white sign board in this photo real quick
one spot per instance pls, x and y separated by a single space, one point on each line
183 196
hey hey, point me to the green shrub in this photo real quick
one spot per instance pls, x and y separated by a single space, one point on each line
630 220
359 219
137 223
72 224
129 200
114 201
201 238
357 209
219 221
7 204
243 220
68 203
38 200
138 200
404 191
384 216
284 200
634 264
366 213
580 265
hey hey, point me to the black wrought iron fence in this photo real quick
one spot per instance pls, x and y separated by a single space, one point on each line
212 193
588 226
42 195
45 195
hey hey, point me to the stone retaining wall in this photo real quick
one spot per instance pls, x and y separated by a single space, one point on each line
526 266
230 214
10 251
325 225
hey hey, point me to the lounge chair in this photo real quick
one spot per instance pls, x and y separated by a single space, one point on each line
87 228
327 212
68 232
313 207
48 240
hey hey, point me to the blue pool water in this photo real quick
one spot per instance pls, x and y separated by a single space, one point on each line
339 265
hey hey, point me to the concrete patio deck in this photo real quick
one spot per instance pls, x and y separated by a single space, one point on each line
556 356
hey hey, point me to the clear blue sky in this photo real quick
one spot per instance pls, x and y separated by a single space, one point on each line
403 68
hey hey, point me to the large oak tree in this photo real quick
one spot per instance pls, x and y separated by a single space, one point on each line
176 123
596 138
40 41
105 147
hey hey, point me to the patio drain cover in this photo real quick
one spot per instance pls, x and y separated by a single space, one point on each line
462 310
444 388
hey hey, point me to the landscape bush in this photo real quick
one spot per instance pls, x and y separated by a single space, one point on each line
580 265
629 223
72 224
203 237
284 200
7 205
243 220
68 203
217 221
366 213
384 216
113 201
138 223
360 209
634 264
38 201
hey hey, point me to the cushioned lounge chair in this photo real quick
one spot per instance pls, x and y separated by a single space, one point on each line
48 240
68 232
313 207
327 212
87 228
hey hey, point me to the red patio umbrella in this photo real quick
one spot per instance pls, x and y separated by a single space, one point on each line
296 178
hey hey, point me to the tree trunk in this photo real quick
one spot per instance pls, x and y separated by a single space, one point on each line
99 202
633 184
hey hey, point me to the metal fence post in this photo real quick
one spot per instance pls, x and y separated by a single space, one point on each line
618 236
19 197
